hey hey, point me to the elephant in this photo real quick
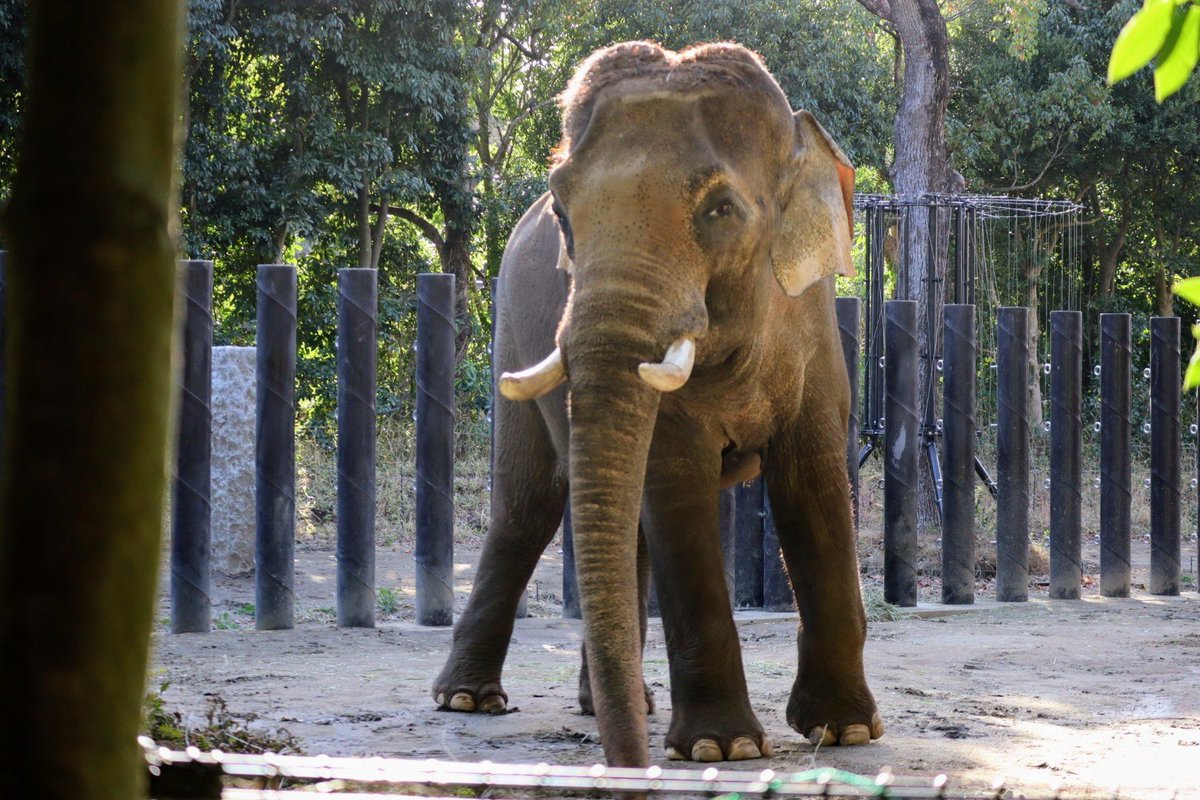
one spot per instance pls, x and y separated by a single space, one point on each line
679 275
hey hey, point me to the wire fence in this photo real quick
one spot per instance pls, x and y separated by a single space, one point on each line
182 775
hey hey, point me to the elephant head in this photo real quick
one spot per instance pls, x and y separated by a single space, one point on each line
693 204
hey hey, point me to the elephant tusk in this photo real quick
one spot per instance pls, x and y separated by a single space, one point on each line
532 383
675 368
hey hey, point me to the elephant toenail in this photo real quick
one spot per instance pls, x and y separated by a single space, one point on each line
822 736
767 750
707 750
674 755
854 735
461 701
876 725
440 699
493 704
742 748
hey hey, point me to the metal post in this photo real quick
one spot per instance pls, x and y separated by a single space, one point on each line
571 607
434 551
1066 442
191 514
1164 456
849 316
777 590
900 454
1012 454
748 547
1116 393
275 449
3 343
727 511
356 358
958 440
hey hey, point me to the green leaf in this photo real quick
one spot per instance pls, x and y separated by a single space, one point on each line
1191 378
1179 54
1141 39
1188 289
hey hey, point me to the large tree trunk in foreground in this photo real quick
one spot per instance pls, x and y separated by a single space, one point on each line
91 304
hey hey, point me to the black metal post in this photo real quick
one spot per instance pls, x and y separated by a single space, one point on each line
571 607
434 551
1012 454
727 510
356 359
1116 399
1066 443
275 449
3 343
777 590
191 514
900 454
849 316
748 547
958 441
1165 445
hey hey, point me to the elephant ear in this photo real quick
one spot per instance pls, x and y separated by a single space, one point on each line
817 223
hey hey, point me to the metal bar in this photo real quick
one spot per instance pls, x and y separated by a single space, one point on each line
1066 441
3 346
1116 483
777 590
900 455
727 513
958 442
1164 456
191 511
849 316
434 551
748 545
570 581
356 360
1012 454
275 449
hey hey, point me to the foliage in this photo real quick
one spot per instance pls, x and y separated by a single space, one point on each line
218 731
1166 32
1189 289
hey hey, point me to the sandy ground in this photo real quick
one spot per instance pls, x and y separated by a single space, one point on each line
1089 695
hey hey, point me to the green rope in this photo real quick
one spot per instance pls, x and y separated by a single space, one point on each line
822 775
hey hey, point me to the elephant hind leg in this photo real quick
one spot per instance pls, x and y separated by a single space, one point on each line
529 494
585 685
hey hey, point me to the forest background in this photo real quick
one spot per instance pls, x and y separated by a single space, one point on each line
410 135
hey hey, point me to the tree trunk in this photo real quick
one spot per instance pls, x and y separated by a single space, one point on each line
922 165
90 349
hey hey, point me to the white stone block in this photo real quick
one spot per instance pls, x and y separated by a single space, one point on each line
233 412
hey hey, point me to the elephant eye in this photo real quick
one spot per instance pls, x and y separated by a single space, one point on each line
721 205
565 226
723 209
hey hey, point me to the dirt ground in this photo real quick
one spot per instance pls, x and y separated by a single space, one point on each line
1091 695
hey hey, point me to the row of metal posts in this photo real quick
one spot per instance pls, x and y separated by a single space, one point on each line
1013 455
275 459
754 570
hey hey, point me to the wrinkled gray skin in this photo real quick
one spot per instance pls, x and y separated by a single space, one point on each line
689 201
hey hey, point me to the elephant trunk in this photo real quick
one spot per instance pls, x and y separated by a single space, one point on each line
613 411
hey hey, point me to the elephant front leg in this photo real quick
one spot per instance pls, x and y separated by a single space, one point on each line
806 479
528 498
711 718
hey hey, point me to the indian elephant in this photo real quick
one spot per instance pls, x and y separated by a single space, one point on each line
679 275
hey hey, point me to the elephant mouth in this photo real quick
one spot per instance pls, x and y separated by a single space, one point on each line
667 375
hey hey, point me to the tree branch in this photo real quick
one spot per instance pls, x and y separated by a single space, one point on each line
880 8
427 228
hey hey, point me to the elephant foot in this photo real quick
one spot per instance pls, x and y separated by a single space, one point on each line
454 693
712 735
828 717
